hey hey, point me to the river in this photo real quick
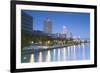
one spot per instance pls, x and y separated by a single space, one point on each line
70 53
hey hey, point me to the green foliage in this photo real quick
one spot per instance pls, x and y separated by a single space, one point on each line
27 37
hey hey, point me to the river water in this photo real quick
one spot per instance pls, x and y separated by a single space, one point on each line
70 53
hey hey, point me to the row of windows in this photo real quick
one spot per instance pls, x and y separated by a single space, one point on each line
26 29
26 19
26 23
26 26
26 15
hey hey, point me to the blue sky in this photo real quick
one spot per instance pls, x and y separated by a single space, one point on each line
77 23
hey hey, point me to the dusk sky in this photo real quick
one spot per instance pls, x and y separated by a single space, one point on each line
77 23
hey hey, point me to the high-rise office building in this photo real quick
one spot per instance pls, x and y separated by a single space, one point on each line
64 30
26 21
48 25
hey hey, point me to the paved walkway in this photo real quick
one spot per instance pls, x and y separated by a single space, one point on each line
36 47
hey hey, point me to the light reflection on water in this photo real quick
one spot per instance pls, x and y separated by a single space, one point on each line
70 53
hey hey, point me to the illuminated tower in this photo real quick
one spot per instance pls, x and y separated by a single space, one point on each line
48 25
64 30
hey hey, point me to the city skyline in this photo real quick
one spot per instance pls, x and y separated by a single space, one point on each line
77 23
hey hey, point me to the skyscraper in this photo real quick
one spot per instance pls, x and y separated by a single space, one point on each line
48 25
64 30
26 21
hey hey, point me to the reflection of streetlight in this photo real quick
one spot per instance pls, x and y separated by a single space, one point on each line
32 58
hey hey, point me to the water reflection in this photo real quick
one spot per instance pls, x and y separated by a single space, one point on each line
32 58
75 52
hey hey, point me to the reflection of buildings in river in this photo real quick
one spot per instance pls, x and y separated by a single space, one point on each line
48 56
61 54
64 54
83 51
32 58
74 53
79 46
68 53
53 55
40 57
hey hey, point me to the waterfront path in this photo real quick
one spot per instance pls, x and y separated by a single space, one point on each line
38 47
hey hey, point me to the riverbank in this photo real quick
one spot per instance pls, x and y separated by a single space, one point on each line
40 47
